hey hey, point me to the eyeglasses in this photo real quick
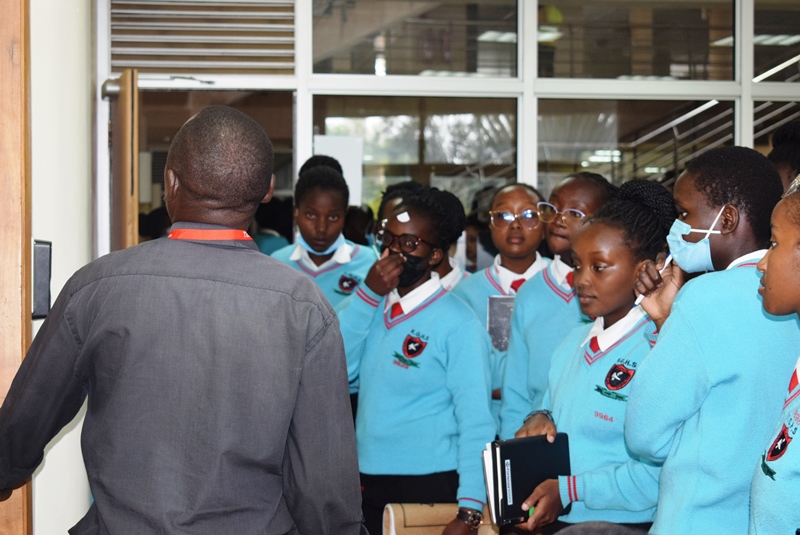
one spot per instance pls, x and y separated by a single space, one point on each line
528 219
549 213
407 243
794 187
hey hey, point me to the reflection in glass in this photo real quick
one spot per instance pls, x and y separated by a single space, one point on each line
777 41
767 118
455 38
623 140
459 144
671 40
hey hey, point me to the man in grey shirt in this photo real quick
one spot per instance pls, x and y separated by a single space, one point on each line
215 375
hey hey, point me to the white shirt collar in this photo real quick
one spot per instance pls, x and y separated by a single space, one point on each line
505 276
753 257
415 297
450 280
560 270
342 255
608 337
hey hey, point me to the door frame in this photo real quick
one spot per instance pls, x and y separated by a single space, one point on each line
15 224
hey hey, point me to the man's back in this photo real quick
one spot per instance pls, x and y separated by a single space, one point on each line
217 386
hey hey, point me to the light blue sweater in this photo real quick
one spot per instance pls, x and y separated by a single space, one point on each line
336 281
424 389
588 391
544 313
475 291
706 397
774 495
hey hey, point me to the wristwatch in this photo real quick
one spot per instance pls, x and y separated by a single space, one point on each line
471 517
536 413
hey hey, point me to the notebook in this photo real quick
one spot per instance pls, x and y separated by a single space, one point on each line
513 468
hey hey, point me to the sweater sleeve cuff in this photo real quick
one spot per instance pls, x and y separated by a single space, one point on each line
570 488
368 296
470 503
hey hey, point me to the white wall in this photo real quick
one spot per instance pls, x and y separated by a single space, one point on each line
61 93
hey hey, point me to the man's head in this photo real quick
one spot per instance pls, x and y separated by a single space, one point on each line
219 168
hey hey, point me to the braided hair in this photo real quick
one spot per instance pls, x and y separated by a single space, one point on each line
320 177
644 211
396 191
321 159
456 220
439 209
786 146
608 191
533 191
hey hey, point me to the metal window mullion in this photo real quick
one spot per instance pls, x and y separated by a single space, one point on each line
192 39
190 52
744 55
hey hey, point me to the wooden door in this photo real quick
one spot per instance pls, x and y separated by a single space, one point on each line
124 133
15 223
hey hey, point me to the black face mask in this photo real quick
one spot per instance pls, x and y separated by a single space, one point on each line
413 269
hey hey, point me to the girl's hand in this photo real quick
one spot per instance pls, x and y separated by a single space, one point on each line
458 527
384 275
538 425
659 289
546 503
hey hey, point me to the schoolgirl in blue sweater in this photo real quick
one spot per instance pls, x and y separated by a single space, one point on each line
776 482
421 360
517 233
708 394
545 309
337 265
593 369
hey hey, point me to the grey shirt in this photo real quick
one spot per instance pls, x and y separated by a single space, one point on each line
218 395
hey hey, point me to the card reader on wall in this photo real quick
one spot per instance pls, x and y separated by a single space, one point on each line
42 254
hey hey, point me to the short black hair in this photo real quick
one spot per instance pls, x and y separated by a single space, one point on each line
224 158
324 178
438 209
321 159
786 146
516 184
743 178
397 191
644 211
607 190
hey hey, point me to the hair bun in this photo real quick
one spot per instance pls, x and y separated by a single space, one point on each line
652 196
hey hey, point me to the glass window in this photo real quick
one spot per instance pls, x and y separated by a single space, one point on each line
777 41
451 38
670 40
457 143
623 140
769 116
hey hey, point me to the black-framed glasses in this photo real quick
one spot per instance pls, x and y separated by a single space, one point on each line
528 219
407 243
549 213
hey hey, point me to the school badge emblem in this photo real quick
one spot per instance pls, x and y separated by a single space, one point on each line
618 377
413 346
347 285
780 445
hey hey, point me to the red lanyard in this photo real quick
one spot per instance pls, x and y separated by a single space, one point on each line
208 234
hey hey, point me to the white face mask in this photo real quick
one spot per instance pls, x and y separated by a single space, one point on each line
692 257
